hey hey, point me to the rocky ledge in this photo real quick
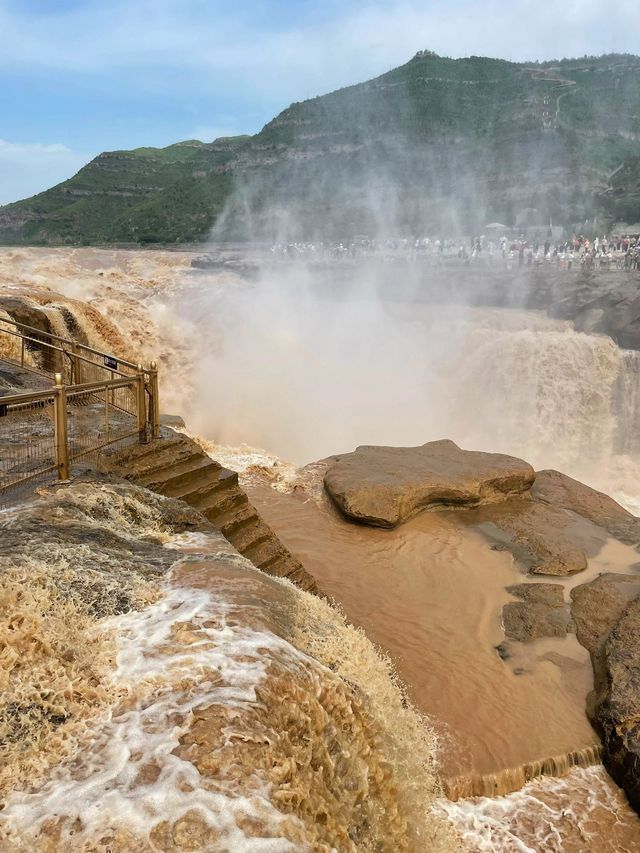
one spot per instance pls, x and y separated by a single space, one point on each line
551 524
385 486
615 712
606 613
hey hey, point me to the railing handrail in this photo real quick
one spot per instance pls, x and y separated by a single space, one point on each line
101 385
67 352
72 344
71 390
26 397
140 402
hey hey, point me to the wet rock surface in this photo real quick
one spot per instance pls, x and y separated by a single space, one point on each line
599 302
547 594
73 556
229 733
597 606
537 534
596 301
541 612
22 311
385 486
606 614
559 490
615 711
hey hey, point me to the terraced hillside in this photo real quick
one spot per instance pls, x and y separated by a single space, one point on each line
434 144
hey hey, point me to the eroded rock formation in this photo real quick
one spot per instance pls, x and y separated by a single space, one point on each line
564 492
385 486
615 711
160 693
550 523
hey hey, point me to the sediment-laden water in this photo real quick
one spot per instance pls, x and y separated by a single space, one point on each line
303 376
578 812
348 367
432 592
188 702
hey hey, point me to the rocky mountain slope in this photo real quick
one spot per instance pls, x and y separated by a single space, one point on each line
434 144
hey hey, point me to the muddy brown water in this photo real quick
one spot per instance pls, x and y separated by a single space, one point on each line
431 594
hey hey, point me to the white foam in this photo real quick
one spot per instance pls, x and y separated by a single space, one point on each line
550 815
214 663
192 541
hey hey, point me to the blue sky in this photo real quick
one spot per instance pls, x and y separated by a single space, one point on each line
80 76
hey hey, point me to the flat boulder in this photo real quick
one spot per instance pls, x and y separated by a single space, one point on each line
385 486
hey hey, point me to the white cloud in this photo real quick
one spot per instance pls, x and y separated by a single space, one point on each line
29 168
226 51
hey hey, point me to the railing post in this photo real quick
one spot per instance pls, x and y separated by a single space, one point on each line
154 401
61 431
142 406
76 373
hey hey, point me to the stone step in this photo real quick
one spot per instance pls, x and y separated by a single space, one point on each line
262 554
287 567
233 520
205 479
218 501
171 479
159 456
135 453
205 498
250 534
154 467
178 468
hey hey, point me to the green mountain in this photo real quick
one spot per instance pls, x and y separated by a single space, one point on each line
432 145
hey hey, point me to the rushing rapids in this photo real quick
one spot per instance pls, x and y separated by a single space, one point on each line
167 696
508 381
537 388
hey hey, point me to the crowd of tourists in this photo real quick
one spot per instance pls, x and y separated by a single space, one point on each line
616 252
599 253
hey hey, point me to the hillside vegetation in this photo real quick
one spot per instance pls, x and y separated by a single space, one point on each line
437 144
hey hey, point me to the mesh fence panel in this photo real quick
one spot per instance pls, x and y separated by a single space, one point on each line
98 419
27 446
102 401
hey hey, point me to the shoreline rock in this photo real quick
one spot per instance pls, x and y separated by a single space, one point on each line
615 711
386 486
541 612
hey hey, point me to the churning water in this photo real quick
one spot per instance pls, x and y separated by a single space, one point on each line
279 366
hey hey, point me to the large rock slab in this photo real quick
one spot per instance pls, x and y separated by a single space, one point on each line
385 486
559 490
538 535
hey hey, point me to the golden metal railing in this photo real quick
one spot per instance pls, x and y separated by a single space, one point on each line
105 400
46 352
